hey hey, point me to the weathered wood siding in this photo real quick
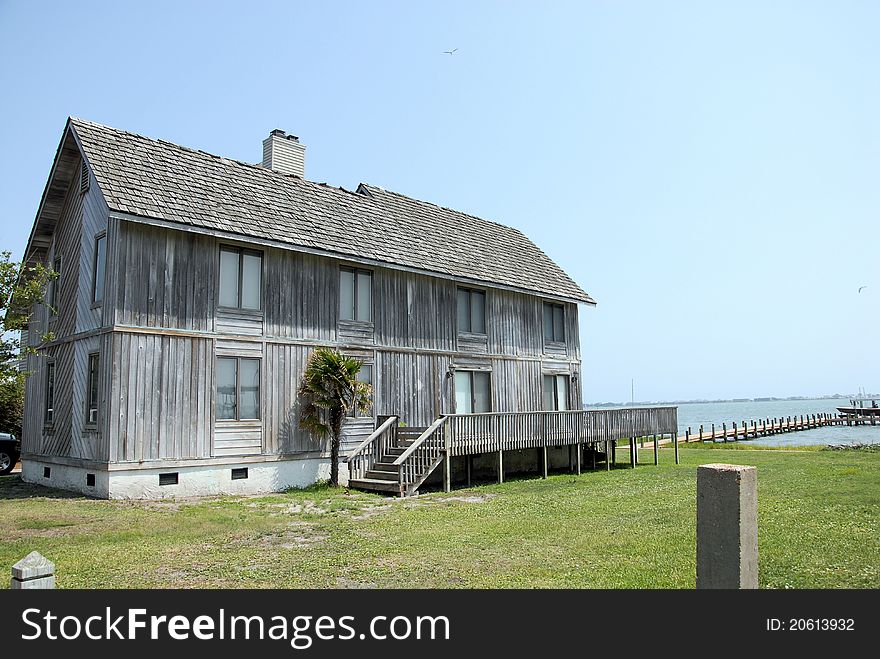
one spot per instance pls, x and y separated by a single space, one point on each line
164 332
164 278
83 217
162 402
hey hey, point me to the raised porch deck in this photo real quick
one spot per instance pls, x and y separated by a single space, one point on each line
393 460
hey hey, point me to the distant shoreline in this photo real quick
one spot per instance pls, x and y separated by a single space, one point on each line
702 401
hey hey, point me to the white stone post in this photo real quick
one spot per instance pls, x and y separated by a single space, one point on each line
33 571
727 526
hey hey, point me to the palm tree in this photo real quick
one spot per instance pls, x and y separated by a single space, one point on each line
331 391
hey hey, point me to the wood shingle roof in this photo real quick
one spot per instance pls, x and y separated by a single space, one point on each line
155 179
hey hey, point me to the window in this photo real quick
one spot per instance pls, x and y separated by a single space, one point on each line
472 392
238 388
50 392
241 278
555 392
54 287
364 375
471 311
355 294
100 258
554 323
92 391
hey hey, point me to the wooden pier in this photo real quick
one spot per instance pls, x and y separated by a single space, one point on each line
767 427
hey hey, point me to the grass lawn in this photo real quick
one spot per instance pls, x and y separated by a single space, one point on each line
819 527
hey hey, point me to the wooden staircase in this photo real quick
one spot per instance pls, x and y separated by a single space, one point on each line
396 459
384 475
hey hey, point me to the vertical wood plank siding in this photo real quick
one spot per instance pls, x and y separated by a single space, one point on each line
165 278
159 387
82 218
162 406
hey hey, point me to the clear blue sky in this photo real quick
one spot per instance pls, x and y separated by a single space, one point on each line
708 171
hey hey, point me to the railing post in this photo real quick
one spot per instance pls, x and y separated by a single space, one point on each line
447 462
657 449
675 446
500 466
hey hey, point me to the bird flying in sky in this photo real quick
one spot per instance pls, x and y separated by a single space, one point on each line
861 287
449 52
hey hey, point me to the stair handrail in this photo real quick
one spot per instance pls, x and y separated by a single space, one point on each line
423 456
372 442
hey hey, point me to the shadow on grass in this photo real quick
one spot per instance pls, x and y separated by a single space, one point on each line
12 487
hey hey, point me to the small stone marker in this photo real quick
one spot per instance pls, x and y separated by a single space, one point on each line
727 526
33 571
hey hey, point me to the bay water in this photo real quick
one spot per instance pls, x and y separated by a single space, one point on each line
693 414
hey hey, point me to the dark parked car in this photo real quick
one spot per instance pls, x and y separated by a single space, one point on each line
10 449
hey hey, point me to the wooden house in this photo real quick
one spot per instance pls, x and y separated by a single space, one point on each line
193 288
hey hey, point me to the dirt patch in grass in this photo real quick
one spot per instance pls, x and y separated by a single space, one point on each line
473 498
372 511
297 535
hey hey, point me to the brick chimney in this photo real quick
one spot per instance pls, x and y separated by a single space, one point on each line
284 153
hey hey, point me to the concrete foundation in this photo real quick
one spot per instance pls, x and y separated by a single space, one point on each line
191 481
727 526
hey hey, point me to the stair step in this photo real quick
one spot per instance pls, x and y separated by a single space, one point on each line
374 485
394 451
385 465
382 475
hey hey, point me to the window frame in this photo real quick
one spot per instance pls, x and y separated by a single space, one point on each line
49 411
469 291
555 377
238 418
240 251
355 272
95 357
553 306
473 391
95 301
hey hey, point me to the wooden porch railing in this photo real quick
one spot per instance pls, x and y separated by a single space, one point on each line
471 434
370 451
422 457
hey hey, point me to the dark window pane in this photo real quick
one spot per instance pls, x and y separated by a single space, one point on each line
92 402
52 295
464 310
548 322
226 375
228 278
558 323
482 392
100 258
50 392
